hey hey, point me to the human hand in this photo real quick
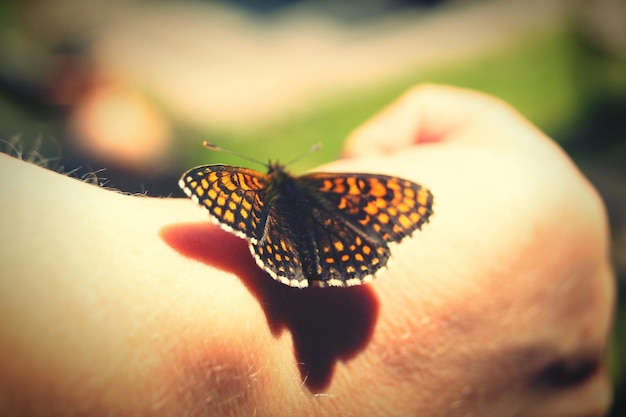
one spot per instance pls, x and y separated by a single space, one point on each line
500 306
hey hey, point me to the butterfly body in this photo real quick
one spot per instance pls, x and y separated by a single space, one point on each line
319 229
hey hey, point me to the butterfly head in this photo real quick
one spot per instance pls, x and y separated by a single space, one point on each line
273 168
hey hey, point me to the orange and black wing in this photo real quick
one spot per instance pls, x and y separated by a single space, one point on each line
233 196
388 208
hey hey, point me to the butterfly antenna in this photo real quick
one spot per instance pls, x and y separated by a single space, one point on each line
312 149
214 147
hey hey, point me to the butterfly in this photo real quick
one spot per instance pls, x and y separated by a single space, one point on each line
318 229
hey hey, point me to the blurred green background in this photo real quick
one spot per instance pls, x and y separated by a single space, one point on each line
63 70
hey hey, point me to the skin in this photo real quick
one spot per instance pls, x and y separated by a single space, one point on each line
501 306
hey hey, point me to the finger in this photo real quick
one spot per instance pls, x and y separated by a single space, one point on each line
427 113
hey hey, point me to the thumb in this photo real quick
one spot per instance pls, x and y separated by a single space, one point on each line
426 113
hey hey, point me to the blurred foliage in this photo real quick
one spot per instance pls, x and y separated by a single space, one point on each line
546 77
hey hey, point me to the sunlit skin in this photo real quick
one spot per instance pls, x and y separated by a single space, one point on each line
123 305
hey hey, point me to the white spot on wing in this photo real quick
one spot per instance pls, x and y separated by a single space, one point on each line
292 282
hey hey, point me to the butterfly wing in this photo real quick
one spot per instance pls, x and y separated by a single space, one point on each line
329 253
347 255
276 253
349 219
384 207
233 196
236 201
